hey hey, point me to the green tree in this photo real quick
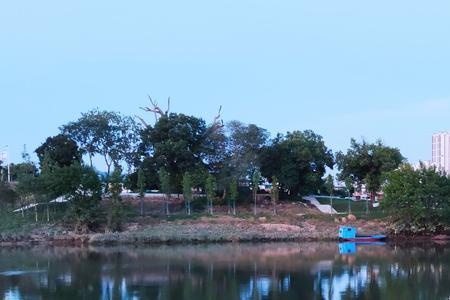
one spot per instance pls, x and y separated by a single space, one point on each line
166 187
141 187
256 178
210 187
417 197
85 199
60 150
108 134
329 186
366 163
187 191
243 145
274 193
234 194
116 210
298 159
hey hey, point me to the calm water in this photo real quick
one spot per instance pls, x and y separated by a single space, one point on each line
246 271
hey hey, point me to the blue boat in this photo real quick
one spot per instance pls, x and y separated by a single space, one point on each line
349 234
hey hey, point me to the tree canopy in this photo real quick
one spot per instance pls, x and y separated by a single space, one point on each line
366 163
298 159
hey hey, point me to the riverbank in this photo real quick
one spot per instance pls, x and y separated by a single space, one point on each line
290 224
293 222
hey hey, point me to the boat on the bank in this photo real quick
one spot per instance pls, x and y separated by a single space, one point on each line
349 234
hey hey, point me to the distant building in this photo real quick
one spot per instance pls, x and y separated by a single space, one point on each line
441 151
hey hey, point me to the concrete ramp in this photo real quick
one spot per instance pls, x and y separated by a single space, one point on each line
324 208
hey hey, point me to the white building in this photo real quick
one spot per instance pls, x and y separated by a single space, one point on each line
441 151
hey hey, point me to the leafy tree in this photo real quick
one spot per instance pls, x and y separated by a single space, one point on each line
256 178
417 197
329 186
116 210
177 143
141 186
234 194
274 192
210 187
109 134
59 149
187 191
166 188
366 163
84 210
298 160
244 143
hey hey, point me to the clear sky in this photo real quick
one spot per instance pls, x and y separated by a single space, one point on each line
351 68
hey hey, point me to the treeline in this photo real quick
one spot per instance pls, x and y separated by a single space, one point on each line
182 154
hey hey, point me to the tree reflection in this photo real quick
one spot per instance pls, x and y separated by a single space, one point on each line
263 271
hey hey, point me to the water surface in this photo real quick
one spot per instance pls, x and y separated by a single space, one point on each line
230 271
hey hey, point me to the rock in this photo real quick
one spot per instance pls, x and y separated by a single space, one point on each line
262 219
351 218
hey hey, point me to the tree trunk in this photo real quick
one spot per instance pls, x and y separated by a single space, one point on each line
48 214
167 204
141 202
254 207
35 212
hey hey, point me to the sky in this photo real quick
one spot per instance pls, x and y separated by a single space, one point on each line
351 68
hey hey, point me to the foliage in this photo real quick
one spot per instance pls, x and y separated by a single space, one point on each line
177 143
298 160
366 163
256 178
60 150
115 211
234 193
274 193
166 188
109 134
141 187
244 145
329 185
210 188
84 210
187 191
417 196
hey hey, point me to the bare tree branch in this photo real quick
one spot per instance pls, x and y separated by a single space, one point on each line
217 122
142 121
156 109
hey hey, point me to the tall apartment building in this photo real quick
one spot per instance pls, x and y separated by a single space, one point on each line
441 151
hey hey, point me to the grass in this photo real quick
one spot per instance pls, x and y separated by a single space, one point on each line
358 208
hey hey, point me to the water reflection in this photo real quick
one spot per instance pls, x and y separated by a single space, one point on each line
263 271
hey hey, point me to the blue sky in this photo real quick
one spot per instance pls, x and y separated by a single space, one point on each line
373 69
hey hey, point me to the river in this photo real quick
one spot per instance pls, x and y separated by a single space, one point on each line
227 271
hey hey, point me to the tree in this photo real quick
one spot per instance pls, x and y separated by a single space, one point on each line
85 199
210 187
115 212
418 198
274 193
176 143
165 179
234 194
244 145
366 163
141 187
60 150
109 134
256 178
298 159
187 191
329 186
